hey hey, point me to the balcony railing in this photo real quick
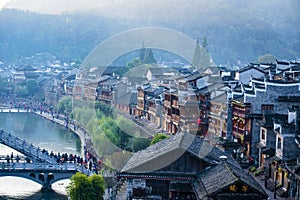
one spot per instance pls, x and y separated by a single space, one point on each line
167 103
104 97
237 131
175 103
238 114
176 118
152 109
168 117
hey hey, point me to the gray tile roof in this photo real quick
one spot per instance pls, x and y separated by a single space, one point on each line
167 151
220 177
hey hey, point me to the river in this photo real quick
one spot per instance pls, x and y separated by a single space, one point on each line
42 133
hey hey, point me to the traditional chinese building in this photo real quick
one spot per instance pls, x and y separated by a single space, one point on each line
282 169
171 111
267 143
227 181
185 166
105 89
217 118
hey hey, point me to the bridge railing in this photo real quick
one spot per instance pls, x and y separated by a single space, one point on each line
62 167
25 148
4 166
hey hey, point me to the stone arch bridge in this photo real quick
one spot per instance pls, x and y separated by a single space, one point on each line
37 165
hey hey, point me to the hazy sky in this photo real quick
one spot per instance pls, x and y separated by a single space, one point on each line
57 6
3 2
184 11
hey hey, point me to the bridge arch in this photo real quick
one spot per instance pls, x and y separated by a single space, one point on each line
28 176
45 179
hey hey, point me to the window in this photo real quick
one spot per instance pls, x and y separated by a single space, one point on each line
265 107
279 143
263 134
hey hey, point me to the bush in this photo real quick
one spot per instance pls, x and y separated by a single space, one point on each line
258 172
252 169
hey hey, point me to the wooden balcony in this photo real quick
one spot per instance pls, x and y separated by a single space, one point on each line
152 109
238 113
238 132
140 106
175 103
167 103
105 97
103 89
141 96
168 117
241 111
215 126
175 118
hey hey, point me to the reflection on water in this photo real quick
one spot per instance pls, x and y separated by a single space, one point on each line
44 134
40 132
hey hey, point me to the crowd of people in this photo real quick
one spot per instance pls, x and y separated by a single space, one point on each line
11 158
88 161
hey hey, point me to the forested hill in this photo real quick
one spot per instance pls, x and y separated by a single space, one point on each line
241 34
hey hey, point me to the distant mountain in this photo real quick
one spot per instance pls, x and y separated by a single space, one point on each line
239 31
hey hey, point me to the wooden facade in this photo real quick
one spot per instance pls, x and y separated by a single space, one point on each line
188 168
241 124
171 112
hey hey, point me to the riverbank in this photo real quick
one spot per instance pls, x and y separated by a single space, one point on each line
85 139
78 131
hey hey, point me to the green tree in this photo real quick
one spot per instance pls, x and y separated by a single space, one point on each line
158 137
21 91
65 105
133 63
142 52
201 58
139 144
98 186
83 187
3 85
267 59
204 43
149 57
32 87
103 108
146 55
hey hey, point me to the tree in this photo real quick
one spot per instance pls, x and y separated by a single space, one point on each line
106 109
98 186
65 105
142 52
149 57
158 137
32 87
267 59
139 143
3 85
201 58
21 91
83 187
204 43
146 55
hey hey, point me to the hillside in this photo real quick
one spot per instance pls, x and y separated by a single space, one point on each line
241 31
